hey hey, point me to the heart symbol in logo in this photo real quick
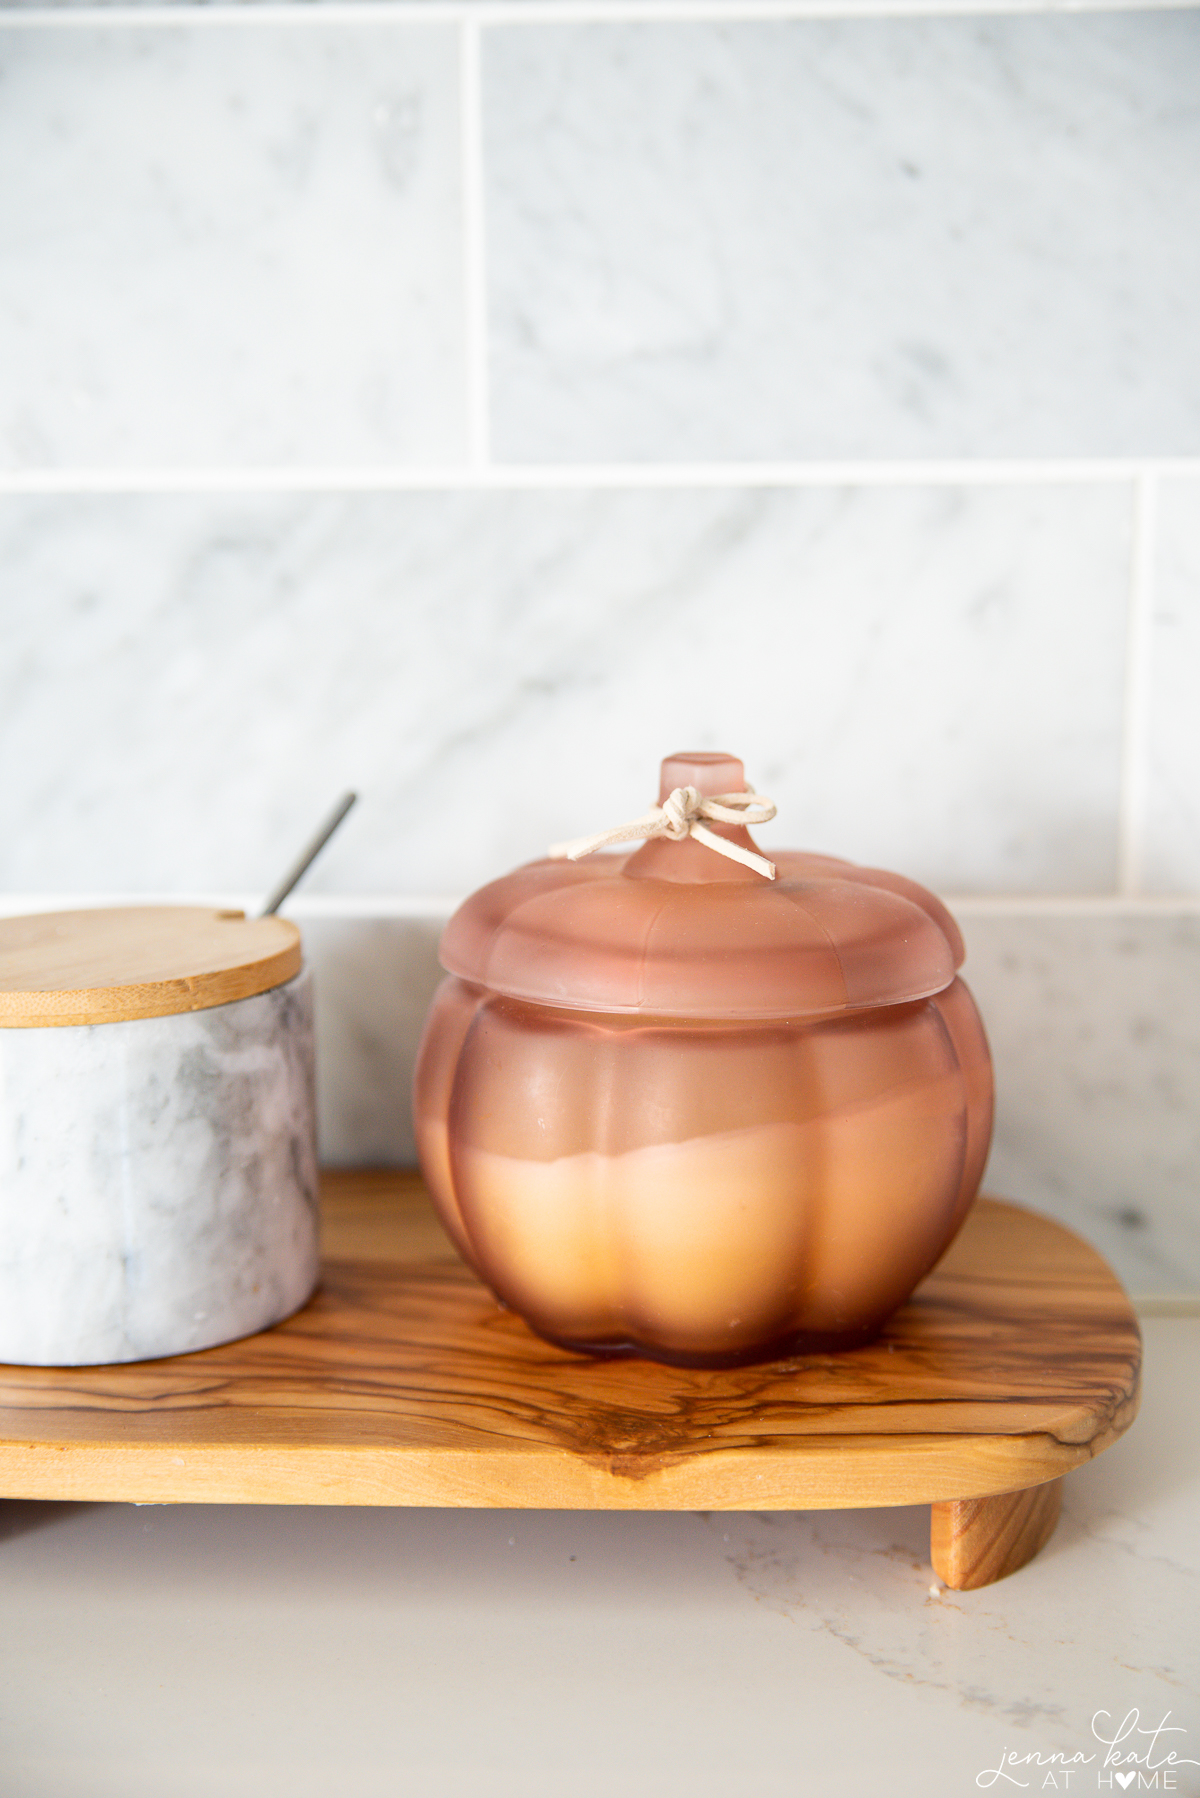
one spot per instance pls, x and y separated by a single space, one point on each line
1125 1780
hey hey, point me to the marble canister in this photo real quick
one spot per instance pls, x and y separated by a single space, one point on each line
158 1180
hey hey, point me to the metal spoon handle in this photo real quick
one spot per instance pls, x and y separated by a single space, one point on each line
308 856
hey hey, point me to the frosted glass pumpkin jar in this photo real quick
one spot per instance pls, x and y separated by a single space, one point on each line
667 1105
158 1172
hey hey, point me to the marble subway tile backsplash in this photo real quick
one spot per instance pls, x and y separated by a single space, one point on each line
230 245
470 403
373 979
953 236
1172 798
188 681
1092 1021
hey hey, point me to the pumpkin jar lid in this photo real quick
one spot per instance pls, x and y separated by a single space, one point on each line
682 927
137 961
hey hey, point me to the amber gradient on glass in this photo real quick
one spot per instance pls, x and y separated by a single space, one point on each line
697 1114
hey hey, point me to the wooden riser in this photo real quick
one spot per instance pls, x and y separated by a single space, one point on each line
975 1541
403 1382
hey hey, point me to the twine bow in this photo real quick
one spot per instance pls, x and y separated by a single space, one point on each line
680 816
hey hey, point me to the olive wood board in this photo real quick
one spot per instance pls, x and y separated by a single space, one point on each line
404 1382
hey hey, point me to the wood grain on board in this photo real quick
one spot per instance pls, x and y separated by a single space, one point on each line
403 1382
137 961
975 1541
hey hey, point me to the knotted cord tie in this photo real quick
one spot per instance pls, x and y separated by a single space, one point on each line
680 815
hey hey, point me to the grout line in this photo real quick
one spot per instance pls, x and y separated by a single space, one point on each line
347 906
1072 905
1131 805
366 905
1166 1304
474 248
416 906
545 12
557 477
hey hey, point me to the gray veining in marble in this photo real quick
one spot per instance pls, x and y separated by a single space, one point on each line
158 1184
831 238
189 682
1095 1032
1171 862
230 245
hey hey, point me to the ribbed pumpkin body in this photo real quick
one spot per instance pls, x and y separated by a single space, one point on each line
702 1190
699 1104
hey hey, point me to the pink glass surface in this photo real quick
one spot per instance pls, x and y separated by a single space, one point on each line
664 1104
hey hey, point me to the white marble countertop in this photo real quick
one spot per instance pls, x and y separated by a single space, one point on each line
193 1651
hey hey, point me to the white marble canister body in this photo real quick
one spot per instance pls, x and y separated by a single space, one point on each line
158 1180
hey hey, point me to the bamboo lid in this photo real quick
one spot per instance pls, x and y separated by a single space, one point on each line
144 961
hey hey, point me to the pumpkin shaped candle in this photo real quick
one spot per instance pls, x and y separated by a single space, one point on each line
702 1108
